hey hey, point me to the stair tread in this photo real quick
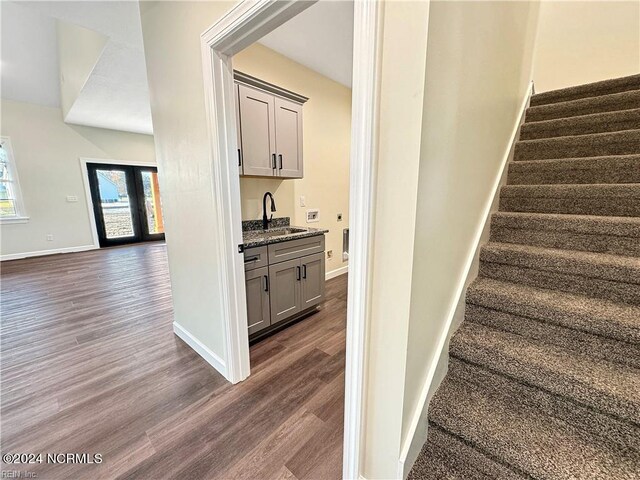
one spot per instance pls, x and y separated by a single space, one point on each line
587 224
588 90
581 124
625 100
625 142
590 190
520 428
605 386
580 312
617 268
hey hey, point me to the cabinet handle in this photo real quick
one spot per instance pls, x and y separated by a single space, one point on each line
250 259
273 161
298 273
280 158
266 283
239 158
304 271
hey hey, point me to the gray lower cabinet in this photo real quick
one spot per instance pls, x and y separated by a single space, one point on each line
312 284
258 292
280 287
285 290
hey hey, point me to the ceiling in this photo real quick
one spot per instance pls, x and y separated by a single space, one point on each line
116 94
320 38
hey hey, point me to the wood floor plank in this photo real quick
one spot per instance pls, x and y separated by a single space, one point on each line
90 364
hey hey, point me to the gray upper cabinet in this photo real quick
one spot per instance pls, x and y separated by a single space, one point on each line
257 131
289 138
269 123
257 286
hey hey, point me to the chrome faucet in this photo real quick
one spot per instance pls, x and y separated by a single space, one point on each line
265 220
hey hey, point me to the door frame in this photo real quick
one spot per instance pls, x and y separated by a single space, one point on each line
244 24
87 187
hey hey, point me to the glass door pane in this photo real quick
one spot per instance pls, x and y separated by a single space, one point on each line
152 203
113 187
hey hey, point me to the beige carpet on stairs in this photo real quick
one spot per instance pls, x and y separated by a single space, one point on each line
544 373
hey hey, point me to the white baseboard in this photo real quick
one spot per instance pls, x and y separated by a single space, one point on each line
211 358
41 253
417 433
336 273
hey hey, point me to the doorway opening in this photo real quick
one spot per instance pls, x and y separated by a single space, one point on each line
246 23
126 203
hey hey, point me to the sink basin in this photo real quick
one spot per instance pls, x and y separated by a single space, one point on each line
277 232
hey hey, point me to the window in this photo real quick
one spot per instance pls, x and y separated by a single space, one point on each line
11 207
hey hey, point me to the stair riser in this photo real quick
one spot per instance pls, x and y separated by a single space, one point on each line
625 143
547 172
609 122
565 282
579 107
611 244
451 458
596 346
606 87
596 317
600 206
590 421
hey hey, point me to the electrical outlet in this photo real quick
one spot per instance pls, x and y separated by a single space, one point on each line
329 254
49 237
313 215
339 217
72 198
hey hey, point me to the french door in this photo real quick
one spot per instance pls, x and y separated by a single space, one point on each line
126 203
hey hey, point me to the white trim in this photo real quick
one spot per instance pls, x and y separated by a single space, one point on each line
41 253
16 219
244 24
21 212
409 450
84 172
336 273
210 357
367 33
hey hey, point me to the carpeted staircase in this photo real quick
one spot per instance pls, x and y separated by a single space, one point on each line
544 373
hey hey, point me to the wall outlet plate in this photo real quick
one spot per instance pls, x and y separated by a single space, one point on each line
313 215
72 198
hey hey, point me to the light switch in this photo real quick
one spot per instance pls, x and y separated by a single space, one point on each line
72 198
303 201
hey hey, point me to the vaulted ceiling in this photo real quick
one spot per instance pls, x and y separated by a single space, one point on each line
115 94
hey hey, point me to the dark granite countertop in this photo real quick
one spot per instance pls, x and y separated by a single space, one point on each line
280 231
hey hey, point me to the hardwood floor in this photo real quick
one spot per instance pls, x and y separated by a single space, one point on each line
90 364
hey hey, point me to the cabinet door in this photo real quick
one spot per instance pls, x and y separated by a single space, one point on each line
285 280
257 286
239 137
312 283
257 123
288 138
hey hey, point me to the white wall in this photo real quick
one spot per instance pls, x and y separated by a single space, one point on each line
478 72
327 142
586 41
402 75
47 154
78 50
171 32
